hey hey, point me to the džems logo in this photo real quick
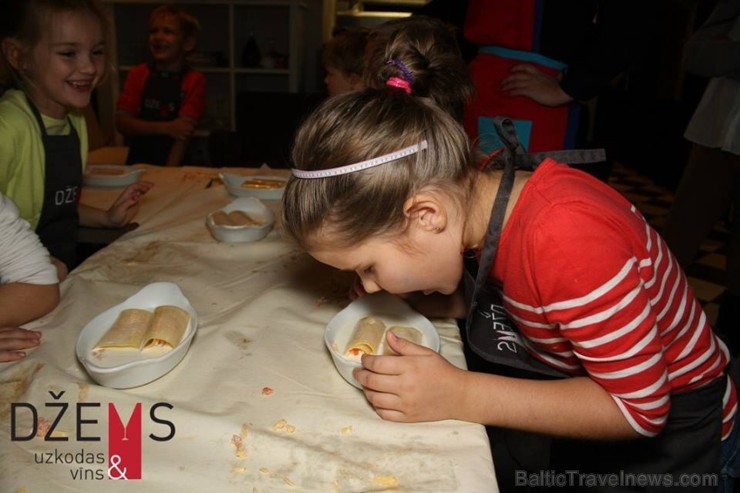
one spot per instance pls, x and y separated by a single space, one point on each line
124 437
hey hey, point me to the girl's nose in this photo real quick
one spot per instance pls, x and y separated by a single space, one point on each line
87 65
370 285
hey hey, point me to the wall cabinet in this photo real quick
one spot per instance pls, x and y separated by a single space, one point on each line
275 26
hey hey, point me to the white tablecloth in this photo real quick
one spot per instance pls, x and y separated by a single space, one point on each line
262 311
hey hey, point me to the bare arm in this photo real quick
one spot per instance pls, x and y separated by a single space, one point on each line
21 303
177 153
423 386
120 213
178 129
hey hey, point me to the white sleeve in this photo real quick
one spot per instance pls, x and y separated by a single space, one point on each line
22 256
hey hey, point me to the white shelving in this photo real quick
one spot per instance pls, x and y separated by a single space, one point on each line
226 25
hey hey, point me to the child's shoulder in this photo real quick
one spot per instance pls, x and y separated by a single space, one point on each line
15 113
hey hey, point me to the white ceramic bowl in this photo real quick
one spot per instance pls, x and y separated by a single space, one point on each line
234 184
122 369
111 175
240 234
389 308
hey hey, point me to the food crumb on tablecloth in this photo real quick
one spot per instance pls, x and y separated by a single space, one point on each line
82 390
281 424
389 481
346 430
264 470
239 469
267 391
238 443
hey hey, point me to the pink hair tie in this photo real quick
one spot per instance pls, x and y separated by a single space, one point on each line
400 83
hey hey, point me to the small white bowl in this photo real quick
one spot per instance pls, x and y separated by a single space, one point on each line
234 184
122 369
389 308
111 175
240 234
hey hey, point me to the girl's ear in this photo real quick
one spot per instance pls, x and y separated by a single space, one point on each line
13 52
426 211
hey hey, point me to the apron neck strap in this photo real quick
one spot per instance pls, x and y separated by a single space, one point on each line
515 154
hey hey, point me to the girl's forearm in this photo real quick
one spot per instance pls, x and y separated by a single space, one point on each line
575 407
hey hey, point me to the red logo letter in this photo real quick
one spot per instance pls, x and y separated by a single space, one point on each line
124 444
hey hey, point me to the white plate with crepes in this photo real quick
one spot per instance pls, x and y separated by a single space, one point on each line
126 367
111 175
391 310
265 187
255 222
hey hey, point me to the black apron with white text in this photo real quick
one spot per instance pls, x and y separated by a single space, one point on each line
59 222
490 332
161 98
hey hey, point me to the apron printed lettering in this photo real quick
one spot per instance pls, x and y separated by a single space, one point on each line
66 196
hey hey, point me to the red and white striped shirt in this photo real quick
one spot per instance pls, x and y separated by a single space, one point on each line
595 291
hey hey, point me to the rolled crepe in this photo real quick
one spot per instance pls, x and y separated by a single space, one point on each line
263 183
409 333
167 327
366 338
241 218
128 330
105 171
221 218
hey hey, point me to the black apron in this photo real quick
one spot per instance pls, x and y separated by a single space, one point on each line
161 98
689 444
59 222
490 333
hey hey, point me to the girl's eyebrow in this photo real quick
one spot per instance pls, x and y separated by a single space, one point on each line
74 44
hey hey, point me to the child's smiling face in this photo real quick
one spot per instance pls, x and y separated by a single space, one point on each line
168 43
66 64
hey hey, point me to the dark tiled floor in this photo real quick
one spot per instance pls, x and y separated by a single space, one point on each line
654 201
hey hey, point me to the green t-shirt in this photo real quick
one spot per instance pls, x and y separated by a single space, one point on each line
22 161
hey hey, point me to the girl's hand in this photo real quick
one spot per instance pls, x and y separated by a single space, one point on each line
530 82
418 385
126 205
180 128
13 340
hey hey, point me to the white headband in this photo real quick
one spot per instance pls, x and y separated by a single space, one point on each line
351 168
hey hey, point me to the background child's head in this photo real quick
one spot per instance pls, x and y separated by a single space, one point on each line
343 60
363 125
54 49
173 34
428 49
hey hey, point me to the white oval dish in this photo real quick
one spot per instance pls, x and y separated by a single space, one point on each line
235 181
117 175
126 368
389 308
240 234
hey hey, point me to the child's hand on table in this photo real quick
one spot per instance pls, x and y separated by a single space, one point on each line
126 205
14 340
